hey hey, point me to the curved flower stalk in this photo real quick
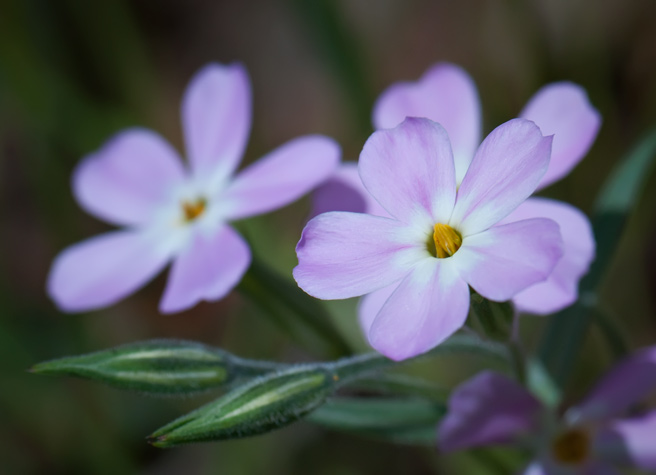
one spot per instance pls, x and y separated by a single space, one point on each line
447 94
439 237
172 212
591 438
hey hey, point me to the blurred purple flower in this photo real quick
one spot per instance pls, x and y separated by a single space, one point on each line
589 439
447 95
438 238
174 213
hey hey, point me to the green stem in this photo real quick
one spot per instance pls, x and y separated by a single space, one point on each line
613 333
518 360
355 367
403 384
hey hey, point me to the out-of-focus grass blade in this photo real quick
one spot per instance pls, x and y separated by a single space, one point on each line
340 49
298 314
567 329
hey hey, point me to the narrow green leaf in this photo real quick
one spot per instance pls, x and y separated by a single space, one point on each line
410 421
158 367
329 31
540 384
376 413
261 405
566 331
494 318
298 314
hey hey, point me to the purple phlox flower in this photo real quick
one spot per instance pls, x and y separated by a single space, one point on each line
447 94
172 212
438 238
591 438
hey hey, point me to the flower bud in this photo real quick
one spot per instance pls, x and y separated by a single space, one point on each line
164 367
262 404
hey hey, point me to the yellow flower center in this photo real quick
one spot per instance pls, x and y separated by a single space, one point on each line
445 241
572 447
192 210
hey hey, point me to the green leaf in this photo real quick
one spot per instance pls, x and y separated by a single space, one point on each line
301 316
158 367
261 405
541 385
567 329
411 420
494 318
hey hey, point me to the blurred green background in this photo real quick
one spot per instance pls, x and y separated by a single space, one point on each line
72 72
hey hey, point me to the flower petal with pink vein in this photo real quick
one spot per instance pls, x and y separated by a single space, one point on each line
504 260
426 308
409 170
505 171
343 255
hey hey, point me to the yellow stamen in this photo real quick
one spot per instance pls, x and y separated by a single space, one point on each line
446 239
193 210
571 447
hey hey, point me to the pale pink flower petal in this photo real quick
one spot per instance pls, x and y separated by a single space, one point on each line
445 94
216 119
561 287
344 191
409 170
128 178
427 307
102 270
627 382
629 442
282 176
562 109
487 409
207 269
370 305
502 261
505 171
344 255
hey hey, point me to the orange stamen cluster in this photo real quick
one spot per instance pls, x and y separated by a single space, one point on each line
572 447
446 241
193 210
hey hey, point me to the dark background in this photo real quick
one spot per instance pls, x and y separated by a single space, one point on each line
72 72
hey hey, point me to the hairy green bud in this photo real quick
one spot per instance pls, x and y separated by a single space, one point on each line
162 367
261 405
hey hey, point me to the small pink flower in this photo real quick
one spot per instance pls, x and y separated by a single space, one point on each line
447 95
438 238
177 213
590 438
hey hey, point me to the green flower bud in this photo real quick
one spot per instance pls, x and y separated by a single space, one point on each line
262 404
162 367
